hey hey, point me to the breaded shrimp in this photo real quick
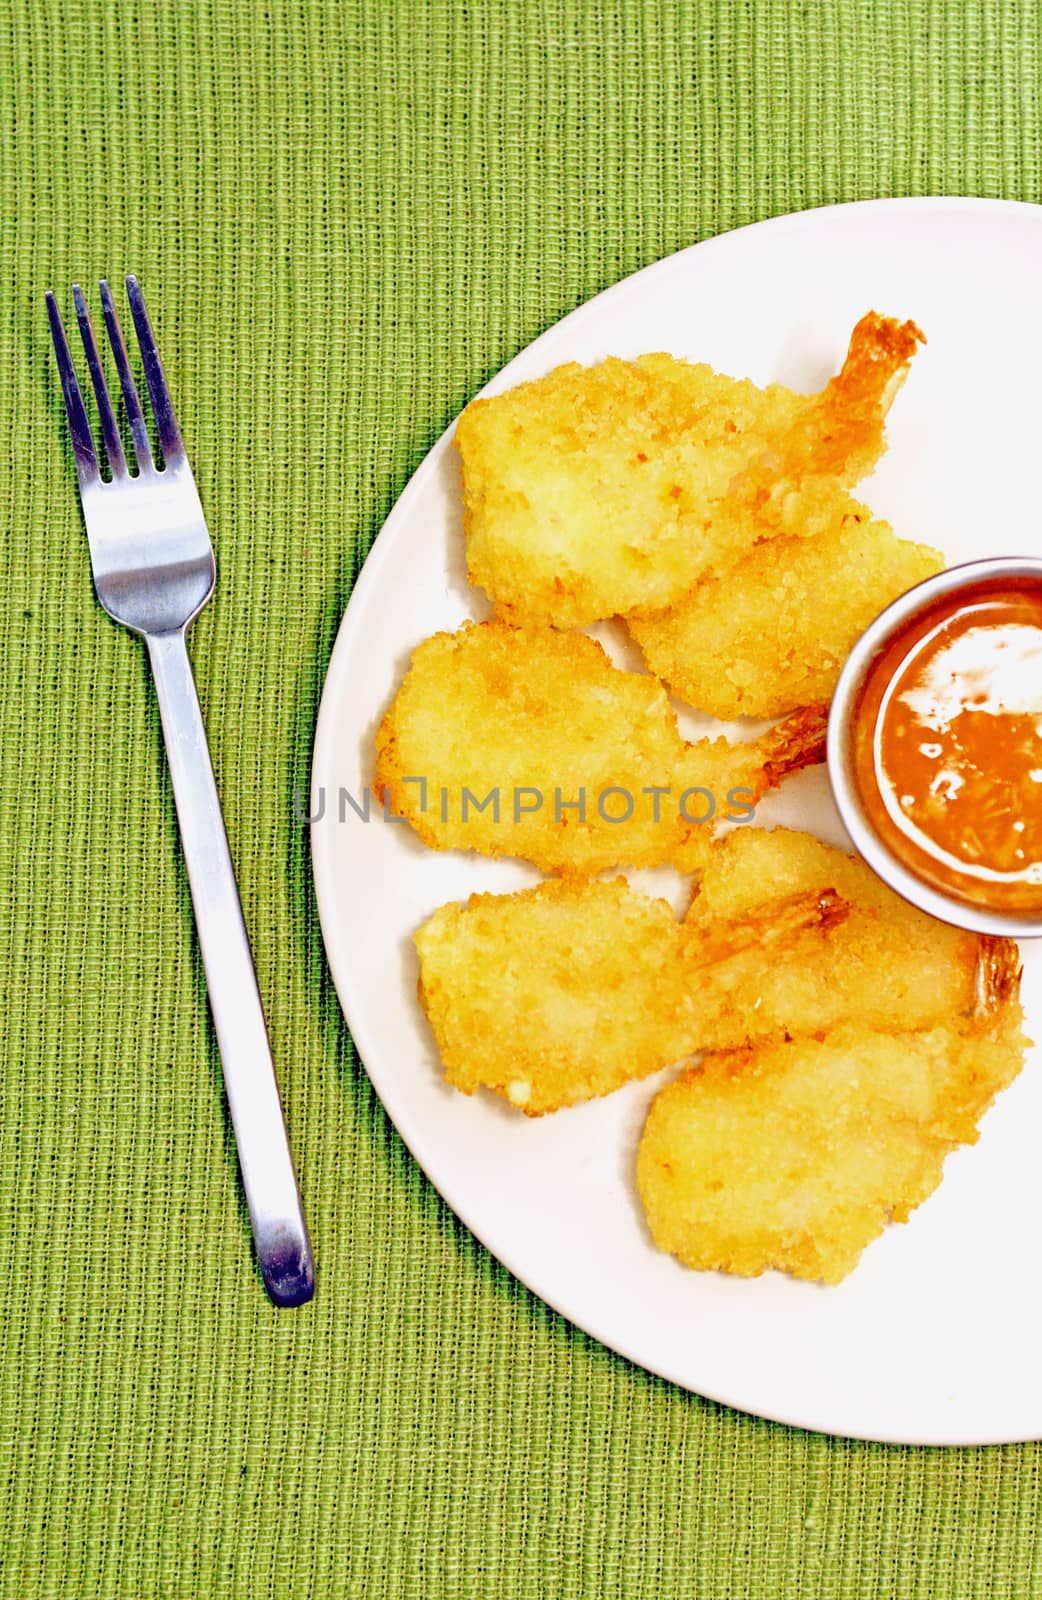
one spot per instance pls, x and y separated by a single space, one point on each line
795 1153
618 487
568 990
757 639
579 766
889 966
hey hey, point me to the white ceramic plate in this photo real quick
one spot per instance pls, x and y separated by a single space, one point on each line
934 1337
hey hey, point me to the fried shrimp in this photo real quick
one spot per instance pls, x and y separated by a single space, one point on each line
530 743
568 990
616 488
756 640
794 1154
889 966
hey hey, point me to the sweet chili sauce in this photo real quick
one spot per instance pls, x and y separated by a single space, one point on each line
948 744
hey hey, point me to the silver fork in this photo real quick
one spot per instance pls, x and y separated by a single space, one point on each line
154 571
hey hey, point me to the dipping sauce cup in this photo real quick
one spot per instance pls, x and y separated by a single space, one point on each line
935 746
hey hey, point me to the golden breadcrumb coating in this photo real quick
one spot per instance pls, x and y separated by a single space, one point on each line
794 1154
616 488
544 721
555 994
568 990
759 638
889 966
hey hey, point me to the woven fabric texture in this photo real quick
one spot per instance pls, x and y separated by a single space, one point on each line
347 216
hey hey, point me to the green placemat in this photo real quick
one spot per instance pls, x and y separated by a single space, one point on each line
346 217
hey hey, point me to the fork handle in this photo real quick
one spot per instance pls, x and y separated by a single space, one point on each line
279 1229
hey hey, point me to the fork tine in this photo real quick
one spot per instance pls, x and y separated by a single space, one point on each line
79 427
135 415
109 427
162 405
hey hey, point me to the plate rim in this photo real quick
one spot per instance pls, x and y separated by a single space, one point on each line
365 587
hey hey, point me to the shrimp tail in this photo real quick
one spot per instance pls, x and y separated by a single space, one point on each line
797 741
770 925
996 979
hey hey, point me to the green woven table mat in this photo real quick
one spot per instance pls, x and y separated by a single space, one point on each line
347 217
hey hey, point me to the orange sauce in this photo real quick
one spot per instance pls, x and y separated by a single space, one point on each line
948 745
